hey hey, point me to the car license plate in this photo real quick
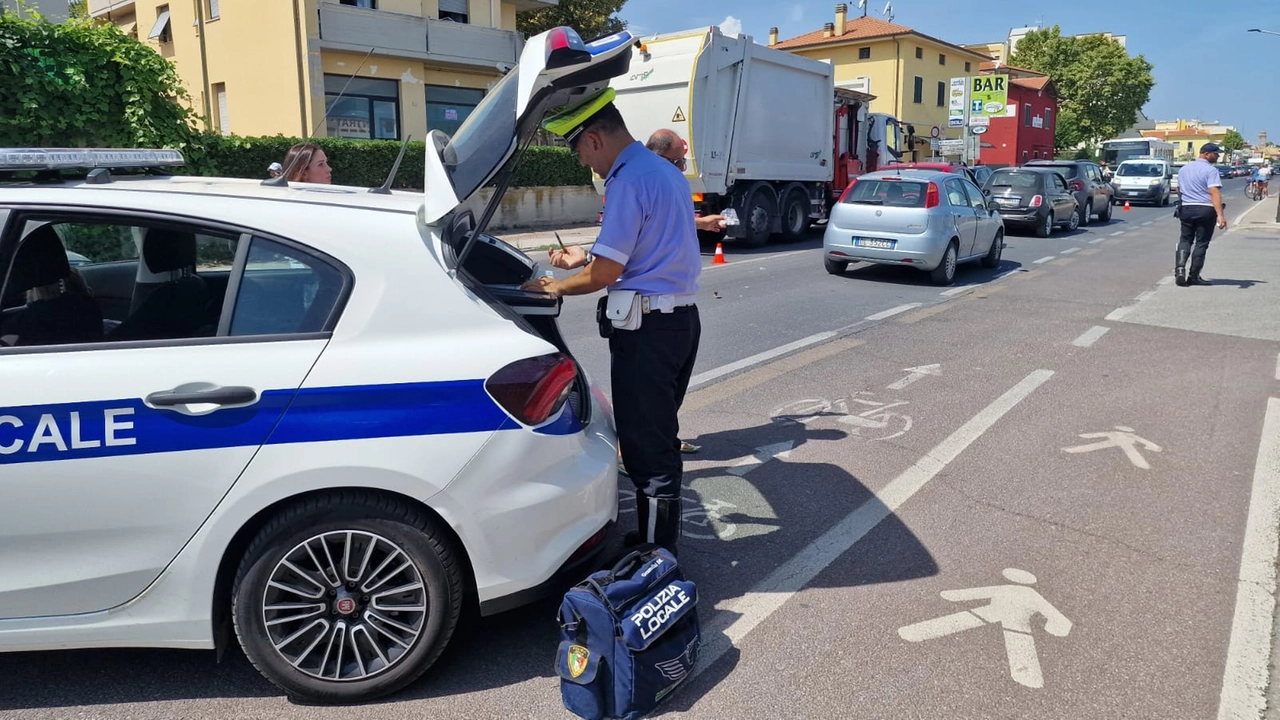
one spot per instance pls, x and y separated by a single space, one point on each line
874 243
1006 201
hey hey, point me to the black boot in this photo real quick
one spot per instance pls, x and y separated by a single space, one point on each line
667 518
1193 276
1180 269
1197 280
640 535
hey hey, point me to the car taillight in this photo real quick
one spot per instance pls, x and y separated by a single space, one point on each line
847 188
534 388
1076 186
932 198
1036 201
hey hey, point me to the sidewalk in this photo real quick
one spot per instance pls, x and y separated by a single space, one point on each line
545 239
1244 266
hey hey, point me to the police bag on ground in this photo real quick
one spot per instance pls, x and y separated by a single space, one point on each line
629 637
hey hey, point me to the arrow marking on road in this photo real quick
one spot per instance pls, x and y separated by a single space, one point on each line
761 456
916 374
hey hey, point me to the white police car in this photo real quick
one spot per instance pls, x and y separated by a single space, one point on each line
321 415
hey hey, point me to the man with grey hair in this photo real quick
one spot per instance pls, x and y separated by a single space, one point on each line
668 145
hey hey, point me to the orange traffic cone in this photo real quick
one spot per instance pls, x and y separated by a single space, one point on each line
1126 206
719 258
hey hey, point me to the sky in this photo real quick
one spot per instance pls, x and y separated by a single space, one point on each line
1199 49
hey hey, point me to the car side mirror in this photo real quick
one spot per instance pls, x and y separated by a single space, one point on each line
993 206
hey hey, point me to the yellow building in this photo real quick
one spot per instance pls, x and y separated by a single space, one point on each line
361 69
907 71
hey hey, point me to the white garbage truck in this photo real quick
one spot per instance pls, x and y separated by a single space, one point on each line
767 132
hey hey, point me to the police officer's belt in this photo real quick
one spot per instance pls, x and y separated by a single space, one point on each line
664 303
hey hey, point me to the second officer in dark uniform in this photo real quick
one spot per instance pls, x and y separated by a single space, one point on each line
648 258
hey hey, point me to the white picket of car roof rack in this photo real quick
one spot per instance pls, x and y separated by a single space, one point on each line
87 158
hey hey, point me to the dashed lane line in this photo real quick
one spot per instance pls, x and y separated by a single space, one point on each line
894 311
1090 336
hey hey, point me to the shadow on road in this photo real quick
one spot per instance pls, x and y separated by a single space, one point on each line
1241 284
738 530
966 274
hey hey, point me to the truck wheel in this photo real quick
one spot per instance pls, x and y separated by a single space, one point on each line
761 207
795 215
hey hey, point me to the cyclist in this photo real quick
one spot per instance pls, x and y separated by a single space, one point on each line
1257 184
1266 176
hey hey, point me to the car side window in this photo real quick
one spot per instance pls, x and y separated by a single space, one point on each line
283 290
976 199
78 280
955 193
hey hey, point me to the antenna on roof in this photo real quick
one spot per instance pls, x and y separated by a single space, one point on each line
385 188
282 180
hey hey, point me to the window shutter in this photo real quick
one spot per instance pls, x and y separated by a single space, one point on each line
454 6
213 10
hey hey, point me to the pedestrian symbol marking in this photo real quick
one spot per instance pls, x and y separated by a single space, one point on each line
1122 438
679 116
1010 606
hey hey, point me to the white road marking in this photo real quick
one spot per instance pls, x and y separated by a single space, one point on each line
1165 280
1122 437
1118 232
916 374
1119 313
1068 251
1090 336
1045 259
894 311
1244 681
967 288
1147 223
762 455
1095 242
714 373
748 259
739 616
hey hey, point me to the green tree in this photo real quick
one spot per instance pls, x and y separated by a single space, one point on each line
79 84
591 18
1232 141
78 8
1100 87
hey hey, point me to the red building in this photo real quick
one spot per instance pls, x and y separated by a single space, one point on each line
1027 133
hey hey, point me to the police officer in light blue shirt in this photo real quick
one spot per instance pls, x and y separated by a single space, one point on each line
1200 209
648 245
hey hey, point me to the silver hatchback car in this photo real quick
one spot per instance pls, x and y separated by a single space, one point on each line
922 219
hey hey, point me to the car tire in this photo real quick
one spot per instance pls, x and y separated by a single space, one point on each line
1085 212
992 258
288 566
945 273
1073 222
1045 228
1106 214
835 267
760 209
1165 201
795 216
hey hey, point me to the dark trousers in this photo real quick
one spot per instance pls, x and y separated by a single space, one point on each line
650 373
1198 223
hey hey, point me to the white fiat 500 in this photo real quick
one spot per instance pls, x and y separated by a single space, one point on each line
325 417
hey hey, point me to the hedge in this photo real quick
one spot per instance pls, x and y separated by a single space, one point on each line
364 162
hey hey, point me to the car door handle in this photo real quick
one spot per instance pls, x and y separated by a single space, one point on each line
229 395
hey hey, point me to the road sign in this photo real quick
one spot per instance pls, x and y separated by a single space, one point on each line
975 120
978 129
951 147
935 132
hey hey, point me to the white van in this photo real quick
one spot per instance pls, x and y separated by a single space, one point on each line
1143 180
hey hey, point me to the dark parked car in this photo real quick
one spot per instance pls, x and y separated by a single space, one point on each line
1093 194
977 174
1034 197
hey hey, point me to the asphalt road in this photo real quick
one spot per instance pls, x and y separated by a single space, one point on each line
1029 497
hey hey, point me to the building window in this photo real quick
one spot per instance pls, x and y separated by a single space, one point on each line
211 10
919 53
454 10
966 67
1026 115
864 53
370 4
942 94
942 59
369 109
448 107
1048 118
919 90
160 31
224 113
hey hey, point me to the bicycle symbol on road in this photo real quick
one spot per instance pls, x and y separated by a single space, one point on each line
872 419
706 515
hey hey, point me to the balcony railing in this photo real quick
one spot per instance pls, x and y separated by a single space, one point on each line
343 27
